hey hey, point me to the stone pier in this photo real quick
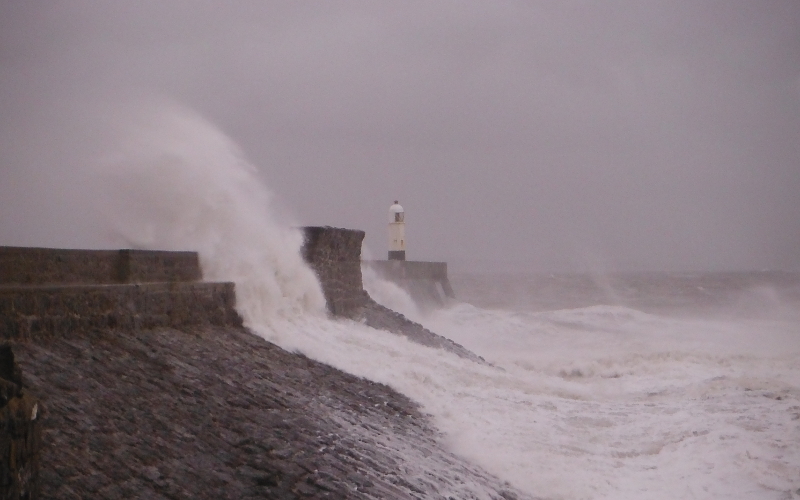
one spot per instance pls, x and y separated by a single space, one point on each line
56 292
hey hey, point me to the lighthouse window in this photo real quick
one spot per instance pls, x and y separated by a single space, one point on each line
398 216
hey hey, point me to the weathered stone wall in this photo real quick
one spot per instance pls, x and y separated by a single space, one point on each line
39 266
208 411
43 311
55 292
335 256
409 269
426 282
20 433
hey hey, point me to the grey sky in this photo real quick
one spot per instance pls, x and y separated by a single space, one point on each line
530 135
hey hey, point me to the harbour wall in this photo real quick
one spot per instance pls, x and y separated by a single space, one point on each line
47 294
55 292
335 256
45 291
426 282
39 266
51 298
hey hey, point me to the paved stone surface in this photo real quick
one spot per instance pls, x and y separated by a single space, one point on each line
34 312
383 318
216 412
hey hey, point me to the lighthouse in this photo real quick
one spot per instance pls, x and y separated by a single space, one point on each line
397 232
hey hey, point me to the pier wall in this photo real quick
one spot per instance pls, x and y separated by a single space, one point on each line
426 282
39 266
55 292
335 256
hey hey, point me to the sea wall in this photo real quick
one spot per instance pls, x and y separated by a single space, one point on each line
335 256
426 282
38 266
207 411
55 292
52 310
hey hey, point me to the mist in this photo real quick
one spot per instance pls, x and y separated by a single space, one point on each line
524 136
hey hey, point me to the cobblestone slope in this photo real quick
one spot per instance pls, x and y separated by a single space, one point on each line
216 412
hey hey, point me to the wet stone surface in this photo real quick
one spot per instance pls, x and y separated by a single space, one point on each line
383 318
216 412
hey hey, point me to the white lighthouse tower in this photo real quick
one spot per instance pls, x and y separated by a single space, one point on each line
397 232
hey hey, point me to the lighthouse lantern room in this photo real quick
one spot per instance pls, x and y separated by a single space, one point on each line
397 232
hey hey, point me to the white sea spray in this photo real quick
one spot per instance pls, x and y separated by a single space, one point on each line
175 182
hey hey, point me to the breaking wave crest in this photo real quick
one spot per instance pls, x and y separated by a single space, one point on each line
176 182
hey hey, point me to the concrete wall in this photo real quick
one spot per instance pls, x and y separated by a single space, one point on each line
335 256
38 266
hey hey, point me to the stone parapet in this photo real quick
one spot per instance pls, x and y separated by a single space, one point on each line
335 256
40 266
58 310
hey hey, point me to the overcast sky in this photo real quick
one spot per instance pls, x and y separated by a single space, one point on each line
529 135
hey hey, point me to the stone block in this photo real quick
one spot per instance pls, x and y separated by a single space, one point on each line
335 256
43 266
44 311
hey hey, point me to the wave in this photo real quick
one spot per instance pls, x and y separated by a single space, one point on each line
612 402
592 402
175 182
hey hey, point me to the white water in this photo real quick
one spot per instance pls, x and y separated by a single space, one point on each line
175 182
597 402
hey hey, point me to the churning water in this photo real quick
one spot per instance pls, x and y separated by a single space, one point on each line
594 399
649 387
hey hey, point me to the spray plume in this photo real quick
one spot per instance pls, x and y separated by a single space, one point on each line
178 183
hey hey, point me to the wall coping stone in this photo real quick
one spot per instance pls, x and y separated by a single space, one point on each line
36 266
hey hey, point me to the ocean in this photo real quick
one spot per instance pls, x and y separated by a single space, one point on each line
639 386
649 385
